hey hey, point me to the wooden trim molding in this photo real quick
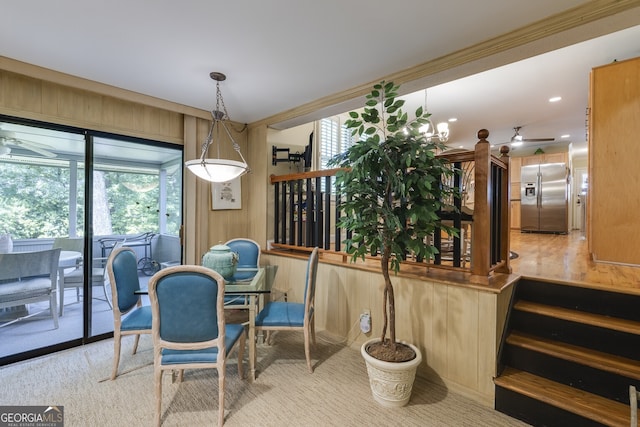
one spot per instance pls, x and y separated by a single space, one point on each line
551 26
63 79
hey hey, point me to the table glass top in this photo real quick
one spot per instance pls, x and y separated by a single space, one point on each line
255 285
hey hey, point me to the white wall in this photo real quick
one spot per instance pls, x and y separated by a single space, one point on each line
295 139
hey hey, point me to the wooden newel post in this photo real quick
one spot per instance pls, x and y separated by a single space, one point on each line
481 232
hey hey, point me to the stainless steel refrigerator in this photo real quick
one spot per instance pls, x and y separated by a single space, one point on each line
544 198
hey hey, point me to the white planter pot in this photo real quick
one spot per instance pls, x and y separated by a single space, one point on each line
391 382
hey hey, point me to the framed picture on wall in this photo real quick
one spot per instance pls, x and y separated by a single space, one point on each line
226 195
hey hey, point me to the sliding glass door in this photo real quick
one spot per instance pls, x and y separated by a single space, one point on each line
82 192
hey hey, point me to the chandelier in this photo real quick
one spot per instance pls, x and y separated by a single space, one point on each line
440 131
217 169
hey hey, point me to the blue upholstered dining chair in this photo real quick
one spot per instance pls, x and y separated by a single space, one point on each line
130 317
248 262
282 316
189 329
248 258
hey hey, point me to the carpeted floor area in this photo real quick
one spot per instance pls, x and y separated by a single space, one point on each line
284 393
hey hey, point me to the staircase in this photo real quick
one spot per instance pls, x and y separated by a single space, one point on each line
569 355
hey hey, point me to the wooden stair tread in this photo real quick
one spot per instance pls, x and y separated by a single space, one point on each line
582 403
573 353
613 323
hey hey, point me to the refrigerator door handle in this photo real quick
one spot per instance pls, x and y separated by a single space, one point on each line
539 195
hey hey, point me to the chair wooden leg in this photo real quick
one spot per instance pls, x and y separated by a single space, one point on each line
177 375
60 313
135 344
307 350
313 330
221 370
241 345
116 354
53 308
158 380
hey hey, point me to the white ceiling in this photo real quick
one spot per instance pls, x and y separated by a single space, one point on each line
280 54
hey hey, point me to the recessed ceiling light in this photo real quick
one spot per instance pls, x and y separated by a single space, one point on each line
555 99
566 135
461 146
453 119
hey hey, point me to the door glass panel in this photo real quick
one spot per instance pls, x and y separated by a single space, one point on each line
137 193
41 206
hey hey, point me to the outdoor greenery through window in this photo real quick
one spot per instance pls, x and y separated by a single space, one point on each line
137 188
34 200
131 202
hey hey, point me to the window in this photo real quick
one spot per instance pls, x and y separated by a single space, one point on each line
335 138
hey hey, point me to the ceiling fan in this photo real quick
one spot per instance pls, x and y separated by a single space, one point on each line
517 139
8 139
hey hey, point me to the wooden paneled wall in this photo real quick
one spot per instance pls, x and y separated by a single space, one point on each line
38 94
33 98
456 327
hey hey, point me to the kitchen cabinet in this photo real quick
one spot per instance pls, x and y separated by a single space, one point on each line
514 178
540 159
613 223
515 190
515 214
556 158
514 170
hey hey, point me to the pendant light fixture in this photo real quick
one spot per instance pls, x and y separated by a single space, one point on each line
217 169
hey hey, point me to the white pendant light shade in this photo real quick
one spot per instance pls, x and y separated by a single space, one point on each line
217 170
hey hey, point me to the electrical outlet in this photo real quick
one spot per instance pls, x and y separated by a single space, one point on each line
365 322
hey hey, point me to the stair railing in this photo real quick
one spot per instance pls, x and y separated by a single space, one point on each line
305 208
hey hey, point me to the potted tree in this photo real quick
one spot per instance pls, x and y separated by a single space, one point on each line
394 187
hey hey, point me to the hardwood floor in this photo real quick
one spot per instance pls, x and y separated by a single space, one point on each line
566 258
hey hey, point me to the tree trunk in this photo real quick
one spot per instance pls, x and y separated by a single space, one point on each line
389 300
101 214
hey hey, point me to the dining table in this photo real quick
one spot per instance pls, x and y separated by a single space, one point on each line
250 293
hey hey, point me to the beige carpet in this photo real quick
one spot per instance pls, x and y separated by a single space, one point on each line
284 394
